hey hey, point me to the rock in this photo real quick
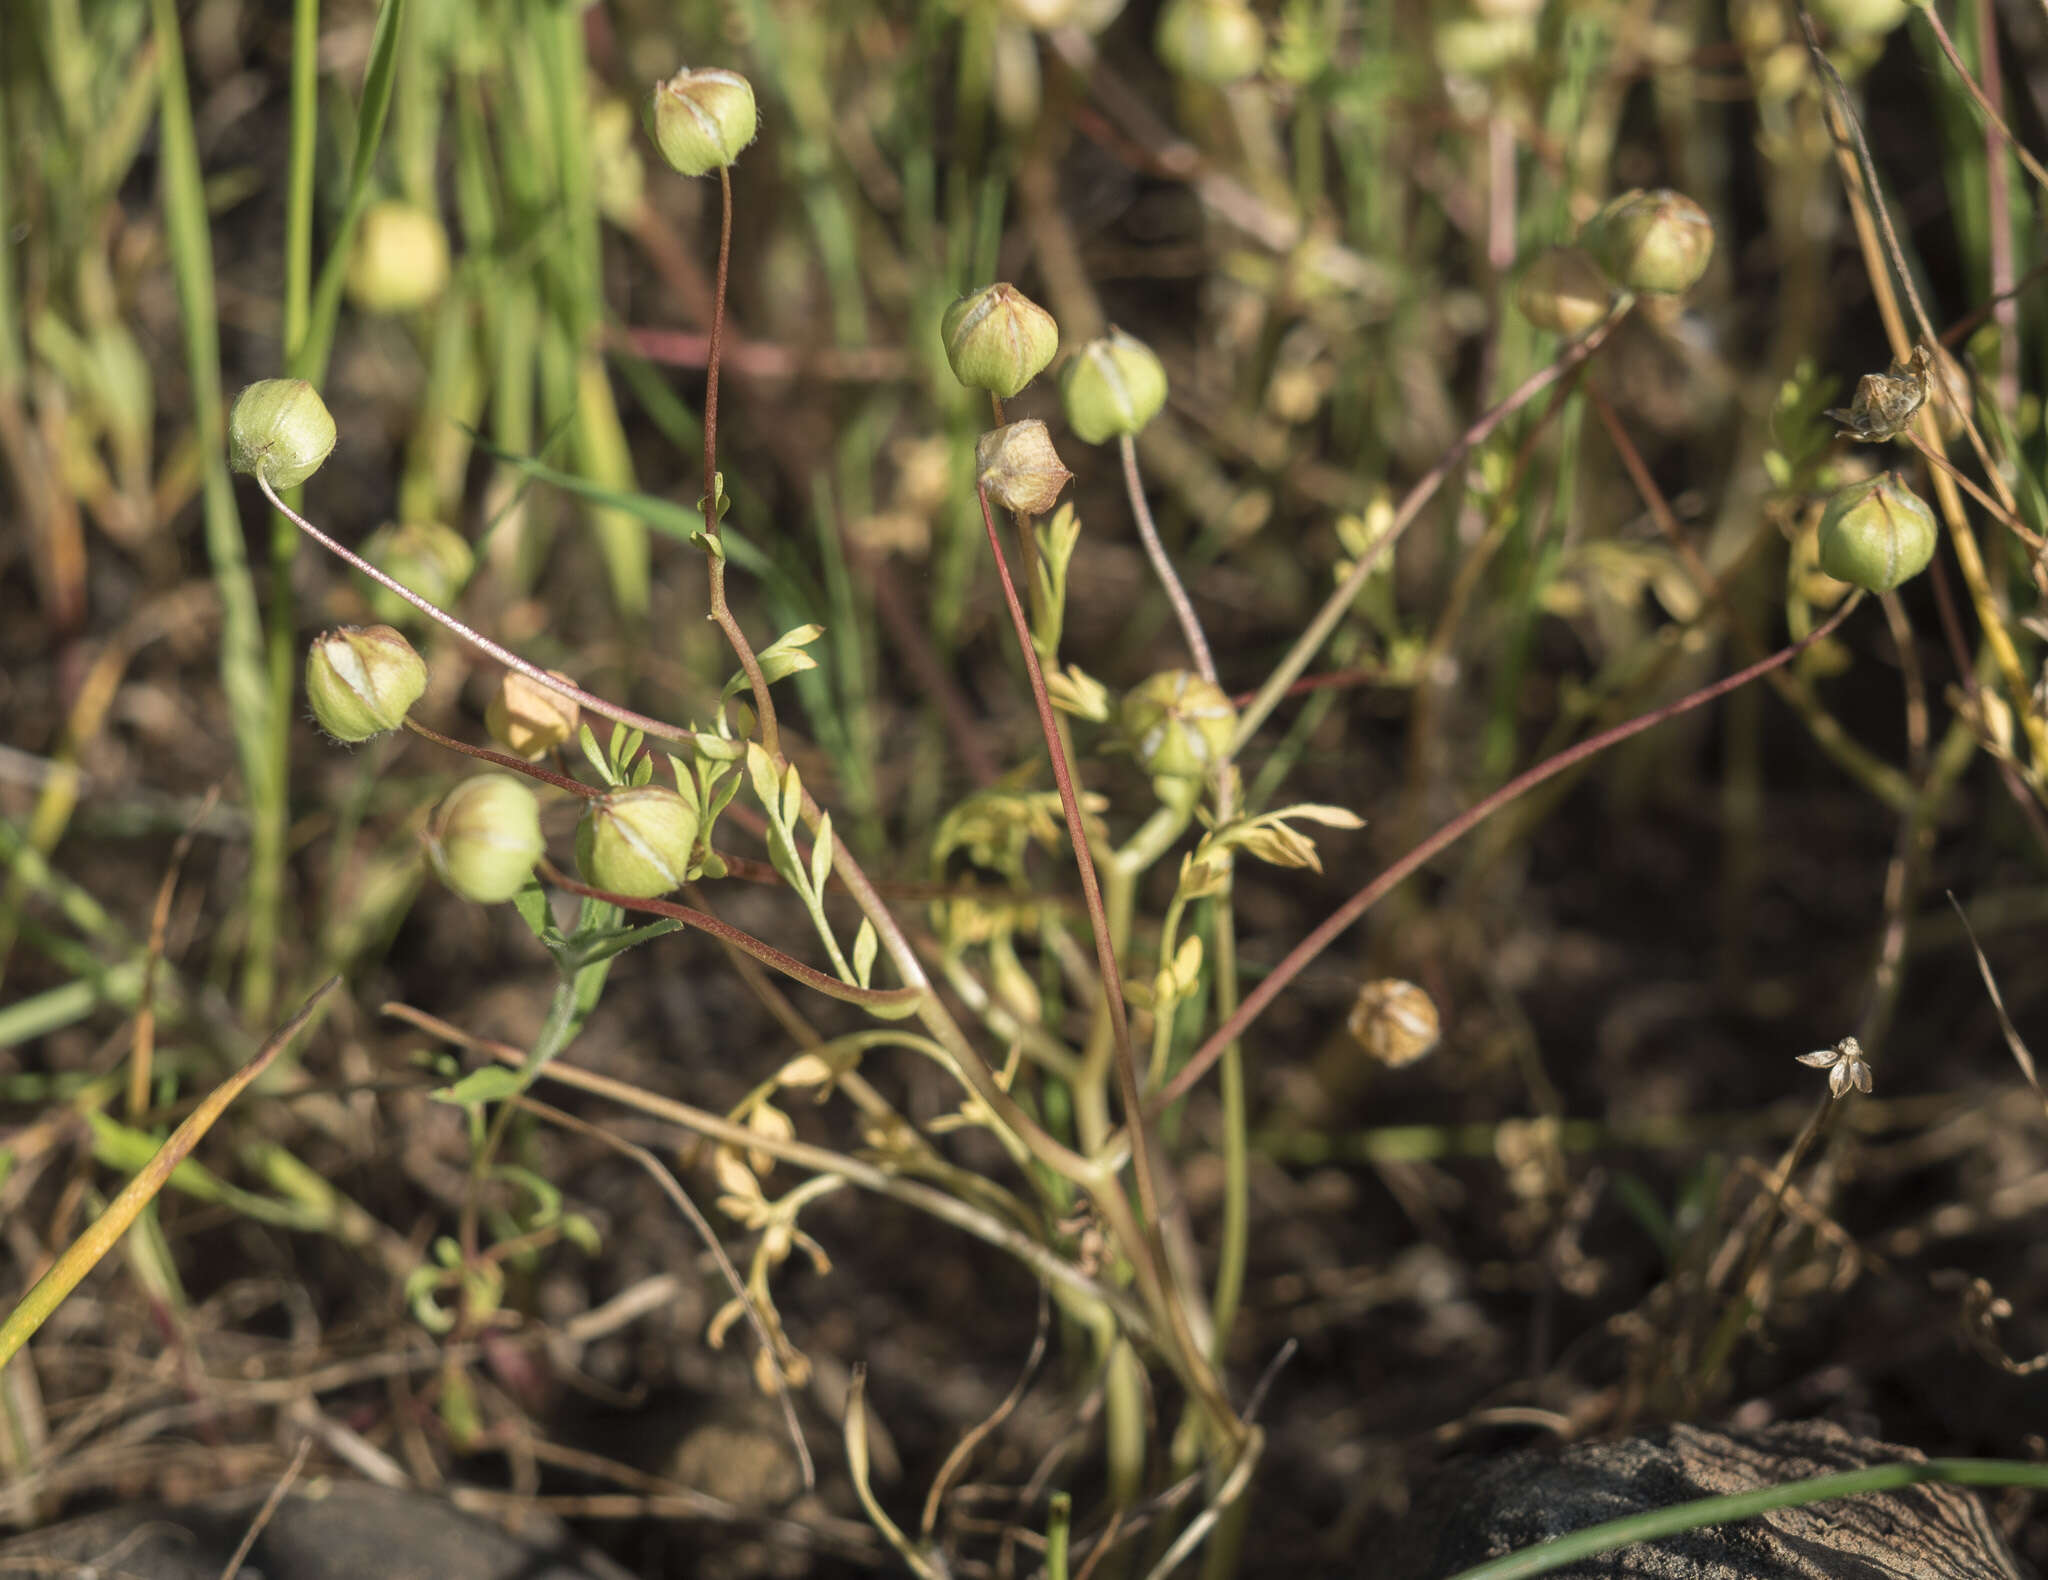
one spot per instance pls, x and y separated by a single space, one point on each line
348 1531
1928 1532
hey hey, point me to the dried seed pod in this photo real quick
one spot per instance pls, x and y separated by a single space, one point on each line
529 719
1019 467
1886 402
1394 1021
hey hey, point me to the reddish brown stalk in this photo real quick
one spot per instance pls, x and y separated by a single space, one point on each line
1084 862
1340 919
764 707
517 765
882 1001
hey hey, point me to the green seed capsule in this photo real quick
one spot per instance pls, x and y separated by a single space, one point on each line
998 339
362 681
1658 243
1876 534
700 120
636 842
280 429
400 260
1178 725
1214 41
1112 387
485 837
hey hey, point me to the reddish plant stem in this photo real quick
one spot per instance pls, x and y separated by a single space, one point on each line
1340 919
878 999
764 707
1084 862
517 765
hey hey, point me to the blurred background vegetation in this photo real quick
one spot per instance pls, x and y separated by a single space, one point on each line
445 214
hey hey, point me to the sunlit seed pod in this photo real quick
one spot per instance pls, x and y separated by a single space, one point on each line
1562 290
636 842
1876 534
1658 242
484 838
1214 41
700 120
1483 46
1111 387
1019 469
435 561
281 430
1393 1021
1177 725
400 258
362 681
528 719
998 339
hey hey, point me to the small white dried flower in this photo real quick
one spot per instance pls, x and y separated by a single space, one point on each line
1845 1065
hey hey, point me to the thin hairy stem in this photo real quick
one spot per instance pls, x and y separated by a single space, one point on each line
1155 551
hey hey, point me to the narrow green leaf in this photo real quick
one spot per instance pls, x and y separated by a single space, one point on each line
865 943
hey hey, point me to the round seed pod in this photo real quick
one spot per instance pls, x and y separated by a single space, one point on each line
529 719
700 120
1018 467
1112 387
434 561
1394 1021
362 681
1177 724
400 259
1658 243
1876 534
1562 290
998 339
485 837
1214 41
280 429
636 842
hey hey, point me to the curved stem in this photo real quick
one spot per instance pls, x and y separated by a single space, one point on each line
658 728
1176 594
